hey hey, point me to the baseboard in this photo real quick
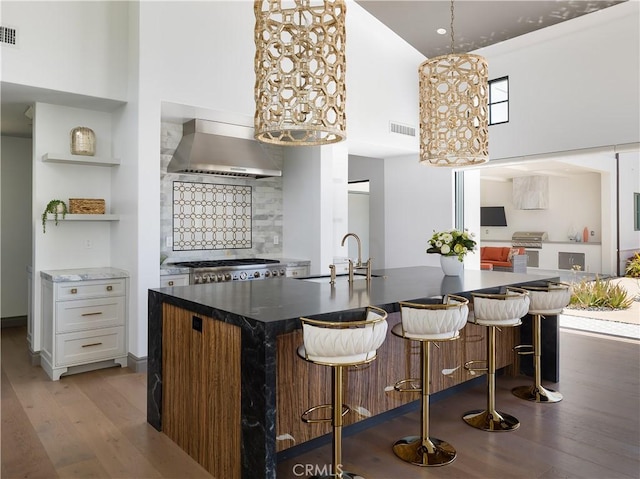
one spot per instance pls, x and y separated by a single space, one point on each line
136 364
13 321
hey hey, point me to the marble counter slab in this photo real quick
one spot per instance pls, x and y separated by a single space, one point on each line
279 301
82 274
167 270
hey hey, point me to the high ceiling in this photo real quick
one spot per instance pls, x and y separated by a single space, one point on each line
477 23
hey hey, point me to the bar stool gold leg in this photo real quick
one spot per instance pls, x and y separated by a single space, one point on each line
423 450
537 392
337 373
490 419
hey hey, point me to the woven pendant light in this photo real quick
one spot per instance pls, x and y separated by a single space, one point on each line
300 72
454 119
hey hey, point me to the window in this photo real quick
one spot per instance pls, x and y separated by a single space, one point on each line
499 100
636 211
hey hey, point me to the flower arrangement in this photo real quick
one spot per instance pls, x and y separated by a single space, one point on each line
452 243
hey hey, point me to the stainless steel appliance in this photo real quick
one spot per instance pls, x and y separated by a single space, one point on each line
528 239
244 269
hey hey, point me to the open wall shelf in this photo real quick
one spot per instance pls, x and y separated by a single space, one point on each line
80 159
83 217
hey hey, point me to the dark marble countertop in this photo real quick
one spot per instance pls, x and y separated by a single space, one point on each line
279 299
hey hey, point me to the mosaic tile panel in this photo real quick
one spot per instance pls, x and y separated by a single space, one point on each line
209 216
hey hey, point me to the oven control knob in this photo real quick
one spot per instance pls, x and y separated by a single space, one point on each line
274 273
227 277
281 272
206 278
267 274
197 279
256 274
243 275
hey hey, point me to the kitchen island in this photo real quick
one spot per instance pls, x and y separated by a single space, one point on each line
224 381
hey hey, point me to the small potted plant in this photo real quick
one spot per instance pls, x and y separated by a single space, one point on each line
55 207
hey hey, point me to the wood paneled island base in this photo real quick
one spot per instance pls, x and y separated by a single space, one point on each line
226 384
201 397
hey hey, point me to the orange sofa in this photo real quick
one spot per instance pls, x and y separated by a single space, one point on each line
499 258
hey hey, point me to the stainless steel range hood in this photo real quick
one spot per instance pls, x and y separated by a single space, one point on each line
215 148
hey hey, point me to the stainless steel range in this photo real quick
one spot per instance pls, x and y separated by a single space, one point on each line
243 269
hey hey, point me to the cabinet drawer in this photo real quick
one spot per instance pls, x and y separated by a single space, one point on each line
90 289
88 346
89 314
174 280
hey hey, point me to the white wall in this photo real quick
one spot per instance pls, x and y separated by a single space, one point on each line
78 47
418 200
573 85
315 204
382 86
15 226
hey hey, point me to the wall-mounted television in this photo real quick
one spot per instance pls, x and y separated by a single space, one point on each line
492 216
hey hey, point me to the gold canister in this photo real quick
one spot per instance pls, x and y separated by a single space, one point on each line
83 141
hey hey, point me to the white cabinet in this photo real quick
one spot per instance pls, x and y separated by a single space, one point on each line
83 322
168 280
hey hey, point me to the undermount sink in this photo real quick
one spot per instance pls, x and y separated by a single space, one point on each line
342 278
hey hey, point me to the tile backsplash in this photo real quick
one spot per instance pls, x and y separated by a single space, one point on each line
208 216
211 226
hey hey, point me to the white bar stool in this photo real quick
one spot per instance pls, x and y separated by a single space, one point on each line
428 323
494 311
340 345
549 299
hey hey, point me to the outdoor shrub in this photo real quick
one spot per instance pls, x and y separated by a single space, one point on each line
633 266
599 294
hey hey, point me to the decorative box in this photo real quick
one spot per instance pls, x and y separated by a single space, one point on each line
86 206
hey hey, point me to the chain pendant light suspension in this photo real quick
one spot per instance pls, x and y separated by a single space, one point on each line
454 119
300 71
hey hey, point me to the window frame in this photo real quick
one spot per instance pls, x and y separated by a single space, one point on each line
492 103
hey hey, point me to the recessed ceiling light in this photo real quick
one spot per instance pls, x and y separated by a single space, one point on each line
441 31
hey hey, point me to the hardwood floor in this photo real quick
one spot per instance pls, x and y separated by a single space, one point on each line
94 425
85 425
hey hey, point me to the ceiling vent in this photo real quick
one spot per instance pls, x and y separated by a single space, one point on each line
8 36
402 129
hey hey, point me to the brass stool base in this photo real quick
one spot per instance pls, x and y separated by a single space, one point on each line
343 475
482 419
410 449
537 394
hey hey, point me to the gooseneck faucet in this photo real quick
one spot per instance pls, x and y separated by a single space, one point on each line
359 264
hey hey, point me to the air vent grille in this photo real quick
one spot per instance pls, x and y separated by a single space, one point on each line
402 129
8 36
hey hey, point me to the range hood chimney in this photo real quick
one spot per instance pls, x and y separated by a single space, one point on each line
214 148
531 192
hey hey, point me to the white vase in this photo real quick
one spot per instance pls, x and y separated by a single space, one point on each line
451 266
